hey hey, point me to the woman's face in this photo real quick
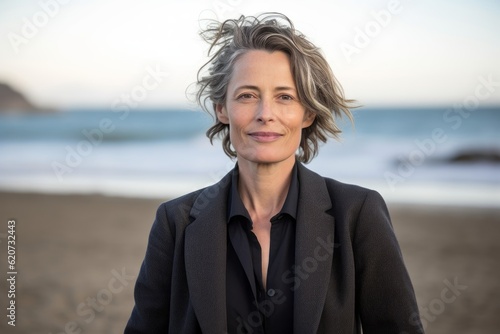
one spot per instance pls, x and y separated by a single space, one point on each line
262 108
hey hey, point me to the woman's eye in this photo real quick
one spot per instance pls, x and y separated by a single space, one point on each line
286 97
245 96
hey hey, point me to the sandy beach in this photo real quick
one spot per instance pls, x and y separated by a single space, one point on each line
77 257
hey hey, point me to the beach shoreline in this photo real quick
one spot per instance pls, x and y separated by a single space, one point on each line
73 249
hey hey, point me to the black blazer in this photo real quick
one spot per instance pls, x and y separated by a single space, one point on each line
352 273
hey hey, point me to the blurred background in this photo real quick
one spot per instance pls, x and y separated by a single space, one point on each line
98 126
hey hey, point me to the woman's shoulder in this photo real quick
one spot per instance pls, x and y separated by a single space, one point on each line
339 192
174 214
352 195
311 178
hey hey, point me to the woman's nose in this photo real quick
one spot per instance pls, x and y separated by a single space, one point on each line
265 113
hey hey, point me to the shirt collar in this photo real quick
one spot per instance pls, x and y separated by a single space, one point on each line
236 207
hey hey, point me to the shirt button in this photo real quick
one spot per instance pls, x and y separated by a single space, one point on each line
271 292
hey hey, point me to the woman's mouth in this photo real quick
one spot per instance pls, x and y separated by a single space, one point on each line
264 136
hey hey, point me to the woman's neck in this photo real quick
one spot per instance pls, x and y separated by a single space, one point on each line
263 187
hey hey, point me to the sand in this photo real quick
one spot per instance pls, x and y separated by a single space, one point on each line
78 257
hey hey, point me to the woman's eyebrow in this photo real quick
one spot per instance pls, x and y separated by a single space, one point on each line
282 88
279 88
246 87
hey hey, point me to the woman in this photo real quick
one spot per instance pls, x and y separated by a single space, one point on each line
272 247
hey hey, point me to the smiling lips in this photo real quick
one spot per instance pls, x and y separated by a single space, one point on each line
262 136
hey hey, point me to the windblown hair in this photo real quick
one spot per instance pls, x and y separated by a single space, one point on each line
318 90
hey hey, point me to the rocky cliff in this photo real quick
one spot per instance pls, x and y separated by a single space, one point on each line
13 101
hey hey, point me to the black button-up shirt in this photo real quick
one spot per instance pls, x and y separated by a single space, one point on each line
250 308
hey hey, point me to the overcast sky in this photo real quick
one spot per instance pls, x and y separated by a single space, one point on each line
89 53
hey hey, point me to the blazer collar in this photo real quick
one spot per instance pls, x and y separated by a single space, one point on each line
206 252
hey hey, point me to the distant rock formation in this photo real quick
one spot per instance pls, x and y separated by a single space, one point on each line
464 156
479 155
14 101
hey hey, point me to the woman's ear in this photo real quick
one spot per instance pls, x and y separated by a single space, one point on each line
221 113
308 119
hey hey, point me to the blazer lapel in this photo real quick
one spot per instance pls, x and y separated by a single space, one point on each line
205 257
313 251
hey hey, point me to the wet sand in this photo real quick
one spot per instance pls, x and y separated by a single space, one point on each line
78 257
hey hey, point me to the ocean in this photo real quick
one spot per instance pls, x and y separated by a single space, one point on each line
441 156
